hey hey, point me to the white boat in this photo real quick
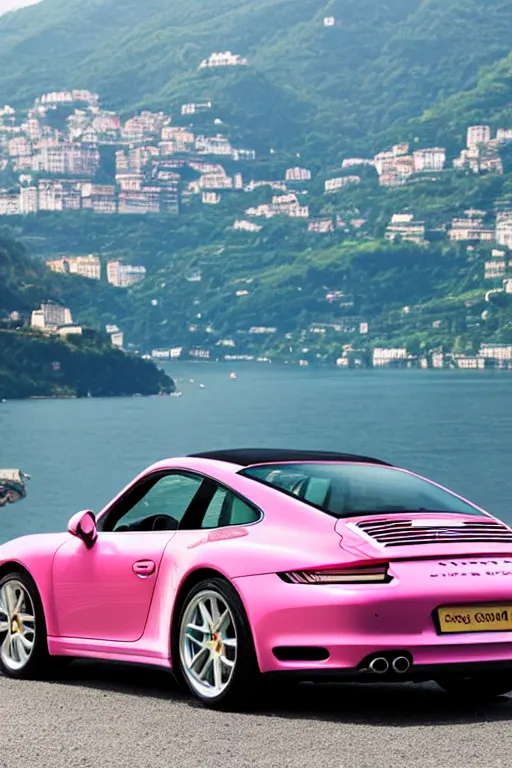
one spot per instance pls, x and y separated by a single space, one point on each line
12 486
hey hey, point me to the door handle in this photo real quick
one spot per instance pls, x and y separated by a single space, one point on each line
144 567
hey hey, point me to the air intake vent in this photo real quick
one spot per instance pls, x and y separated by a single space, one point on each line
402 533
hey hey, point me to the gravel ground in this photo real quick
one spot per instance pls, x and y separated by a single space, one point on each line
101 716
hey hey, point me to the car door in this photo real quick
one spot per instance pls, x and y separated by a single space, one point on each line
104 593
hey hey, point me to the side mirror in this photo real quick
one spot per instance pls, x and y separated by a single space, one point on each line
83 526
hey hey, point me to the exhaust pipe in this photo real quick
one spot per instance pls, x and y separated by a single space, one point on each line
401 665
379 665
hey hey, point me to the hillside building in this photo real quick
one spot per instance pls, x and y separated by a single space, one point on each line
124 275
85 266
471 228
404 227
226 59
50 316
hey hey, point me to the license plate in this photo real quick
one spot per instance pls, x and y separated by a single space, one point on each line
475 618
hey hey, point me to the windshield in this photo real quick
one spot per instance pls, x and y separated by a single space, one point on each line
349 490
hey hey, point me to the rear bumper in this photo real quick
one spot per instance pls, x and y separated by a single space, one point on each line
352 624
417 674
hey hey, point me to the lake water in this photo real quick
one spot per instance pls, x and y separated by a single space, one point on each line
455 427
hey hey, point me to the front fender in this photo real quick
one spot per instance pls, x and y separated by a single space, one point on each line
35 555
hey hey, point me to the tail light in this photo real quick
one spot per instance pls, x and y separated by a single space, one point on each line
364 574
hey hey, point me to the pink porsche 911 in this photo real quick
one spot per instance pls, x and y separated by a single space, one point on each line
233 567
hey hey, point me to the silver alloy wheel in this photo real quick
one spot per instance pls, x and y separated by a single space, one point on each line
208 643
17 625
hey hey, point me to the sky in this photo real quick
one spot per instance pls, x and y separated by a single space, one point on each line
11 5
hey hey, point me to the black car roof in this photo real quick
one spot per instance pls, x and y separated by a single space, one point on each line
247 456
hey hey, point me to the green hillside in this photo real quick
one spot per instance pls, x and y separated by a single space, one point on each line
489 102
416 70
85 364
295 281
307 87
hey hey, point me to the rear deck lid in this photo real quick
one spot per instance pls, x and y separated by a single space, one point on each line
423 534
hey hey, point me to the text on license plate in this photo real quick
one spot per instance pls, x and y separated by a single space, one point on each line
475 618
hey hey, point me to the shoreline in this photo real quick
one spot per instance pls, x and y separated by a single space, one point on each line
251 364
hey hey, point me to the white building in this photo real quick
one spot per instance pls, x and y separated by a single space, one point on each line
467 362
504 230
116 335
29 199
353 162
404 227
85 266
495 269
192 109
297 174
332 185
226 59
124 275
433 159
214 145
382 357
471 228
384 162
329 21
504 134
210 198
322 226
51 316
496 351
478 134
9 203
68 97
241 225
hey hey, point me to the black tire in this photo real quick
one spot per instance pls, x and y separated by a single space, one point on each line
40 664
478 687
245 683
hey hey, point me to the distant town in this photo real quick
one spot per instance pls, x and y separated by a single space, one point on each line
51 169
44 168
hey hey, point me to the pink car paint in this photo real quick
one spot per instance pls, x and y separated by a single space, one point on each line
115 600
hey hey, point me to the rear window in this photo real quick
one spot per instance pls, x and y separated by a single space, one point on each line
349 490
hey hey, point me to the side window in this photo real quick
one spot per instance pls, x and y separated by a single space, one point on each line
227 509
162 507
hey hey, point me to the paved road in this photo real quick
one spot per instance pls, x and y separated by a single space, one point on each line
117 717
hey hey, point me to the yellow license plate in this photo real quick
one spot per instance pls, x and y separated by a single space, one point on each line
475 618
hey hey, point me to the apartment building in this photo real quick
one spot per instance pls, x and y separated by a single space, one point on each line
68 97
504 229
321 226
85 266
498 352
50 316
9 203
297 174
29 199
242 225
404 227
332 185
432 159
471 227
100 198
124 275
477 135
225 59
193 108
354 162
382 356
